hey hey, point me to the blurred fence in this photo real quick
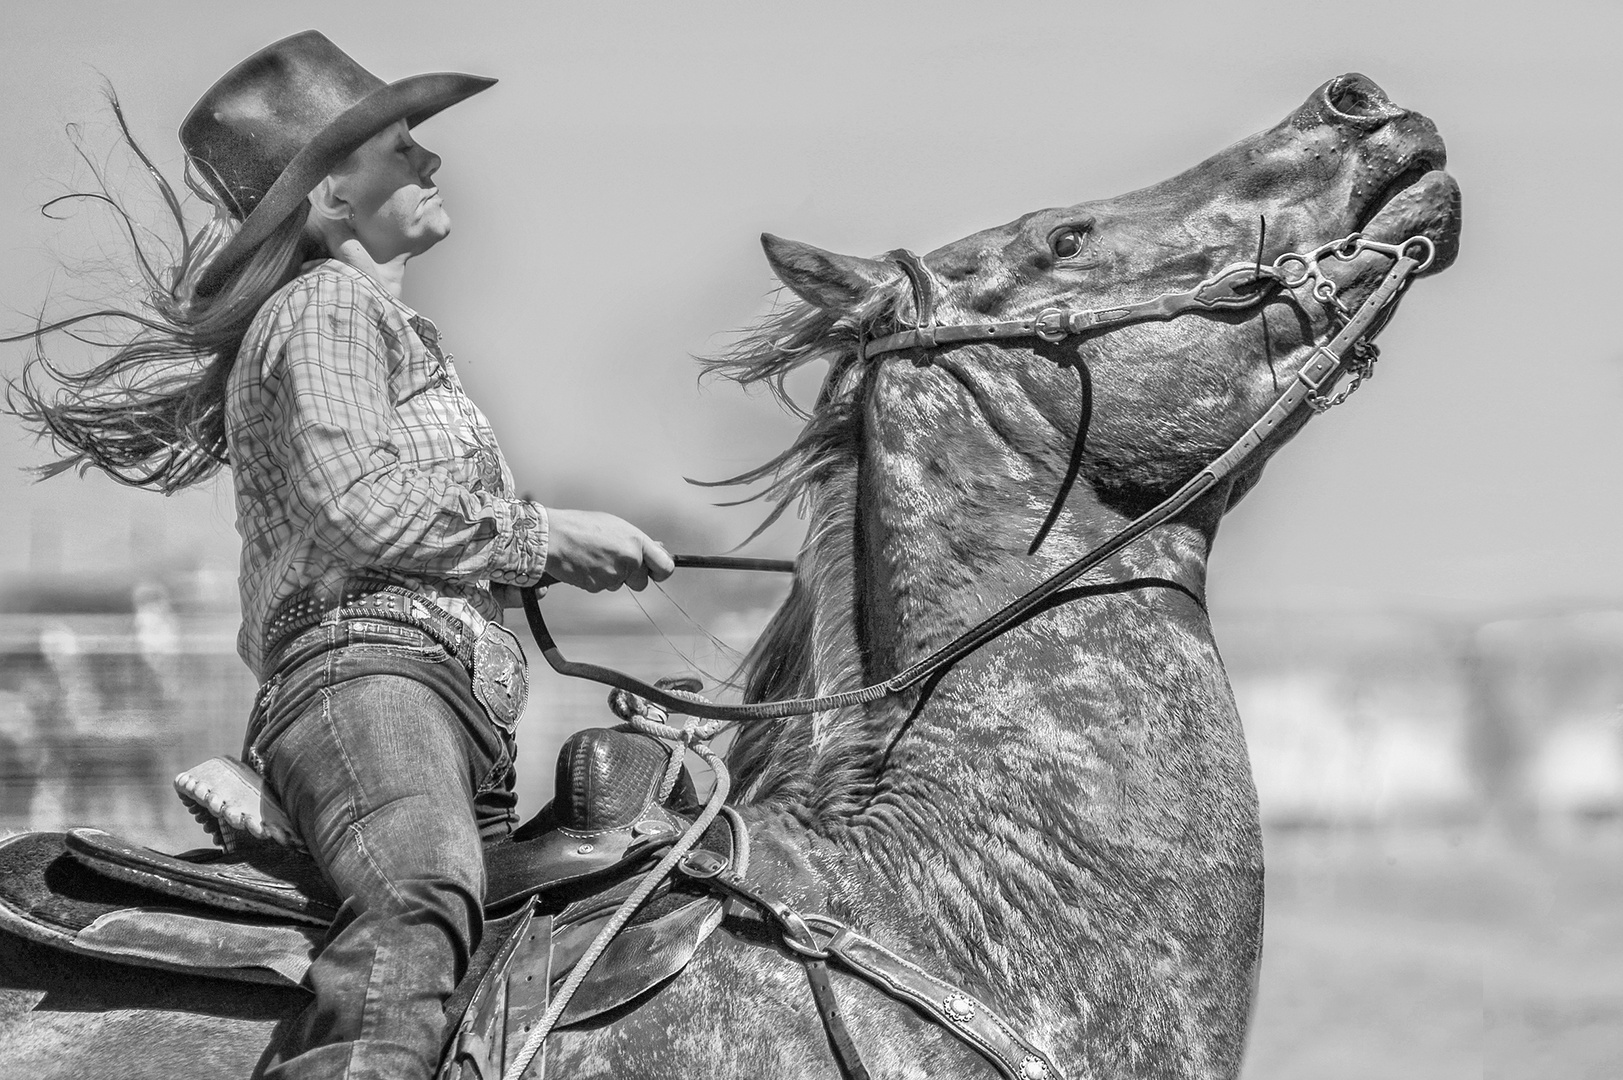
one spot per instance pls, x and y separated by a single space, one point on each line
1351 719
98 713
1406 718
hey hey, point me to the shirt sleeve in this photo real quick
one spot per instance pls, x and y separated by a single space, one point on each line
366 503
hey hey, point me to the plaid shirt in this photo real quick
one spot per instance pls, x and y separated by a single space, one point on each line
354 448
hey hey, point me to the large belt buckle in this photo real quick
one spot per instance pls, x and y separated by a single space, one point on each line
500 678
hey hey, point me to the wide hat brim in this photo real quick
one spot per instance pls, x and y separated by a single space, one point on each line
413 99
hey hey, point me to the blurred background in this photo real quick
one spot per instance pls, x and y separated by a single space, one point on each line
1421 607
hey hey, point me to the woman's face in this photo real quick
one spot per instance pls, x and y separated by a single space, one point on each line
388 184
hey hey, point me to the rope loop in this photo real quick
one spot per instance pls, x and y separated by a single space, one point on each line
651 719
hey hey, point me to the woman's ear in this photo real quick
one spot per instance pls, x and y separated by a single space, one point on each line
326 207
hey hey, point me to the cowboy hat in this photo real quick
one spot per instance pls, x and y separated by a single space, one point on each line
275 125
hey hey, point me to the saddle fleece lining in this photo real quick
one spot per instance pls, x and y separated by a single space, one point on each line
47 897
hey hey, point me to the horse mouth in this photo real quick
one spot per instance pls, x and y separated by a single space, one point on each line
1421 200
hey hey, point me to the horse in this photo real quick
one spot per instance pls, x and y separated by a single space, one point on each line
1063 822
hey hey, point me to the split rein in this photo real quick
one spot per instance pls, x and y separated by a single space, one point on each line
1237 287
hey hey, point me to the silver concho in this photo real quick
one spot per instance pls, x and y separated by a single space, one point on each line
1033 1068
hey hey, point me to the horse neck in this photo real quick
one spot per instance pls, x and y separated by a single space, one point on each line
955 473
1067 763
1012 817
958 477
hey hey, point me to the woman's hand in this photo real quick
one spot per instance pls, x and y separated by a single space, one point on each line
596 551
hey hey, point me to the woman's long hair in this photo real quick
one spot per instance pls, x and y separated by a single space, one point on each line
152 414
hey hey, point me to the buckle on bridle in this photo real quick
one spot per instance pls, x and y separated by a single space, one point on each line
1051 325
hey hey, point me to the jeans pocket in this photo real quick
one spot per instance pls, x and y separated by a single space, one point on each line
260 729
503 773
378 639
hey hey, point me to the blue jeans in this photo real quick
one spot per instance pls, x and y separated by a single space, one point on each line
374 743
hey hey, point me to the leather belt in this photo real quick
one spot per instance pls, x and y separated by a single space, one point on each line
306 610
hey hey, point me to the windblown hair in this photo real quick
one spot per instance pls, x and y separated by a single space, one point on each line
810 646
152 414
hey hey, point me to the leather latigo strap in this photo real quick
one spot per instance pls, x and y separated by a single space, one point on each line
511 991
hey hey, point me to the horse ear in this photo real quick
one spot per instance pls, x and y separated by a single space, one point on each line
823 278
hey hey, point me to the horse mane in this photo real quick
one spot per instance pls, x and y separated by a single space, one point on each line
810 645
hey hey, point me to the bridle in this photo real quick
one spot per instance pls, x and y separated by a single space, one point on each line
1237 287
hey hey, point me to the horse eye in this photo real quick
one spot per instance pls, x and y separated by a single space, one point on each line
1067 243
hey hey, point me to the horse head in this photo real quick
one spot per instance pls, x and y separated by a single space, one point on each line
926 481
1072 796
1169 397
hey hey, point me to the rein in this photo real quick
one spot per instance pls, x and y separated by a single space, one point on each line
1236 287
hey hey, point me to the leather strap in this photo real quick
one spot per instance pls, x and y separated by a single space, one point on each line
1233 288
734 562
973 1021
828 1007
528 978
510 994
714 871
817 939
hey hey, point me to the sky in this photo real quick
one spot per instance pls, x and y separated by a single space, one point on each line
607 197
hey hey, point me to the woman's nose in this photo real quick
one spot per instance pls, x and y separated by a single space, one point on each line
429 165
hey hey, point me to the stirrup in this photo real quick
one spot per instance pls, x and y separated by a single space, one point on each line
230 801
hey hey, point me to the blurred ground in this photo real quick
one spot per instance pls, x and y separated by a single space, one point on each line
1439 954
1372 957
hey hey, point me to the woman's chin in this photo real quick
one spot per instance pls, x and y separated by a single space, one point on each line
434 231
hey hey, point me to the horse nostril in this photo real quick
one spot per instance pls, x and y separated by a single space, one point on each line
1357 97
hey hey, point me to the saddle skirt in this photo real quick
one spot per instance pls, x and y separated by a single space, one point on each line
89 893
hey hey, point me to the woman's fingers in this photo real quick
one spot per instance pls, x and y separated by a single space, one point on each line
637 579
658 561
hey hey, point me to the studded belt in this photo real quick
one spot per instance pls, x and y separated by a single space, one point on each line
490 652
365 599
